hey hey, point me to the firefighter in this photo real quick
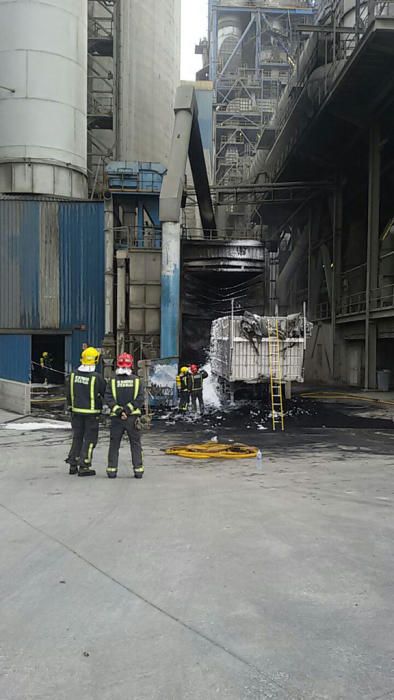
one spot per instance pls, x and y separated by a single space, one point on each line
46 362
183 386
197 377
125 397
85 392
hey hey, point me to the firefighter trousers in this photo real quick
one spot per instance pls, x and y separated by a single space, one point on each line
184 396
85 436
197 396
118 428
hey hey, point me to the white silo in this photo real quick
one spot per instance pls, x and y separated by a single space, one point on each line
148 75
43 79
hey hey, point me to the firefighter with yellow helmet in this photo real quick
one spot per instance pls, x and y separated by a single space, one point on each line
182 383
85 392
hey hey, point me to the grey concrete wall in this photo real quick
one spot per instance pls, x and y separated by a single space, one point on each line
15 397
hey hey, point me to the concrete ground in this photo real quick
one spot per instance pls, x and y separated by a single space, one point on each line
229 579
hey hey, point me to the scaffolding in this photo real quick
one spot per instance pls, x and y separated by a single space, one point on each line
251 51
101 91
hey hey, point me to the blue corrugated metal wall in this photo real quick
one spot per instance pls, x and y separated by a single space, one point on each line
19 264
29 295
81 227
15 357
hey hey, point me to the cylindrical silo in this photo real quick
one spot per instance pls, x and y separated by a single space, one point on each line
229 34
148 68
43 79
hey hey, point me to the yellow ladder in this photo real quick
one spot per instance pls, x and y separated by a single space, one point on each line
275 368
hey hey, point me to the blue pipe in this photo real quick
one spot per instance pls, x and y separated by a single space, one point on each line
170 290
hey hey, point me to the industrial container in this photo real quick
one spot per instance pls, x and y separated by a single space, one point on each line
43 97
235 358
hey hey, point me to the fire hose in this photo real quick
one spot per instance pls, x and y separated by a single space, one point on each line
213 450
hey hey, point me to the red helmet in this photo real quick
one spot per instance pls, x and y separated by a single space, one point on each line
125 361
194 369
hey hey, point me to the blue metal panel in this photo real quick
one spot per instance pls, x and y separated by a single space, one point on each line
19 263
81 229
15 357
135 176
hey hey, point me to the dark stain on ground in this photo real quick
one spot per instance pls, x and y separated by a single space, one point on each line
310 425
300 413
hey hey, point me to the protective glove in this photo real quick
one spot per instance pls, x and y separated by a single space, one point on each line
145 422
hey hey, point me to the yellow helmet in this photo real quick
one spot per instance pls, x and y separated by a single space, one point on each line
45 354
184 370
90 356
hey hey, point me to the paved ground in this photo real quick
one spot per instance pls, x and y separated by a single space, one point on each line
205 580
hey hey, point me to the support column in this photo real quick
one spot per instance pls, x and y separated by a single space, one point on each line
121 295
170 289
372 253
109 340
337 226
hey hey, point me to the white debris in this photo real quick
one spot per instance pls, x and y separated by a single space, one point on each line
211 389
54 425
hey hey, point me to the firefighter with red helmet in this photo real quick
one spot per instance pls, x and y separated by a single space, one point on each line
196 380
125 398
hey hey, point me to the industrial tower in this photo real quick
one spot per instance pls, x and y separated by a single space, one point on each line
252 44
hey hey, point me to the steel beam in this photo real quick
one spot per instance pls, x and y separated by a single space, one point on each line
372 252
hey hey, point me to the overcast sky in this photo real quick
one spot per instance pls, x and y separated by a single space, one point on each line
194 28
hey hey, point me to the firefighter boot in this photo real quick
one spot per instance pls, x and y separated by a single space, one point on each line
73 466
138 472
86 471
112 472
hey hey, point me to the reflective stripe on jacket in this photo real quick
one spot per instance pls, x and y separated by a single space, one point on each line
182 382
197 380
85 392
124 394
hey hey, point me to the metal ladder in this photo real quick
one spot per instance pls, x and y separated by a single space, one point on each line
275 368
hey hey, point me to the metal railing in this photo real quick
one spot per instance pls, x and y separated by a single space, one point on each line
230 234
134 237
381 299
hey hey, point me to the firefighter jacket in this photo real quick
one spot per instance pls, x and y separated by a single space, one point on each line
196 380
182 382
85 392
125 394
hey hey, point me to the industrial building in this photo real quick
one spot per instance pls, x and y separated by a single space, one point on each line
317 172
331 134
285 199
76 87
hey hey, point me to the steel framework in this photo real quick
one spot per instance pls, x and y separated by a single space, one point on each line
101 91
249 64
